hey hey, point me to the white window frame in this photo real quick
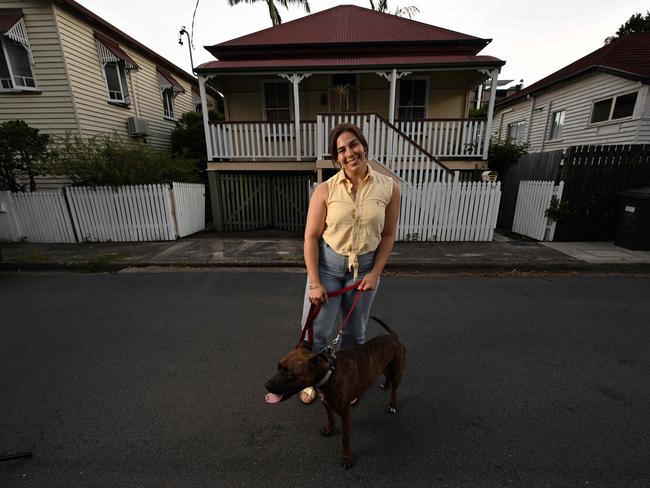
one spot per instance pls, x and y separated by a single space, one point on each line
609 119
426 95
19 38
519 134
263 95
169 95
357 88
122 77
554 123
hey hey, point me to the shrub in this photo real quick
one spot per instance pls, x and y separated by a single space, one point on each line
21 149
503 154
110 161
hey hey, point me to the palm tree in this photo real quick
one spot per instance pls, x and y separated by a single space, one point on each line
382 6
273 10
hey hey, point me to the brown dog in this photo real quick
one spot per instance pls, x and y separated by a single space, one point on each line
340 378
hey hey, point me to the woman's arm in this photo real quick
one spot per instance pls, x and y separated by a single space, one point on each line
388 234
313 231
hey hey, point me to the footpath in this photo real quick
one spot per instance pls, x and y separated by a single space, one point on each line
212 250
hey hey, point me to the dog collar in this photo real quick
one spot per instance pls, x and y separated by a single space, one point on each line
325 378
332 356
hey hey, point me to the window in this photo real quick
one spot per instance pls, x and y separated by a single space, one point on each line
515 134
557 122
343 93
412 98
16 64
115 76
277 101
169 88
168 103
614 108
116 64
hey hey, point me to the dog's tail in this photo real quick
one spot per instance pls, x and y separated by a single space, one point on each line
385 326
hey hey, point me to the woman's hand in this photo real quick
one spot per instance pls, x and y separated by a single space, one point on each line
369 282
317 294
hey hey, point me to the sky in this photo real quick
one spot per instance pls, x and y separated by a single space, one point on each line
535 38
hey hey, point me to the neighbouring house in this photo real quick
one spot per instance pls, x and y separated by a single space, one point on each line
63 69
406 83
601 98
481 96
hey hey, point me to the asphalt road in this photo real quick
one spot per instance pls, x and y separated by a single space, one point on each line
156 380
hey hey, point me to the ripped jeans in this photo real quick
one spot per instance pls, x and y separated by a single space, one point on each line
334 275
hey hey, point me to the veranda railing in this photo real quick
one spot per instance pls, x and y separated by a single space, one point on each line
447 138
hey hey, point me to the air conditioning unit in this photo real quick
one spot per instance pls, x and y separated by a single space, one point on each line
137 127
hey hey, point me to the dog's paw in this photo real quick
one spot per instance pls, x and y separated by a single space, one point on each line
327 431
383 386
392 410
347 461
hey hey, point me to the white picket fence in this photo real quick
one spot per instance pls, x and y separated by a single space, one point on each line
533 199
189 208
35 217
100 214
448 211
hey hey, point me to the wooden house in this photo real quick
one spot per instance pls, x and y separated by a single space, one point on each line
600 99
405 83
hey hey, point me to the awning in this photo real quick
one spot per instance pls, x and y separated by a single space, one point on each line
111 52
13 26
167 81
7 21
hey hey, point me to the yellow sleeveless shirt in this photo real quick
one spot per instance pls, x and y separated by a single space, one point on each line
353 226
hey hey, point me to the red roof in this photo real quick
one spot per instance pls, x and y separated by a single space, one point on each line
349 36
347 24
457 61
628 56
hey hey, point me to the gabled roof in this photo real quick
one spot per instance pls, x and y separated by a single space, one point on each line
347 24
628 56
116 35
349 36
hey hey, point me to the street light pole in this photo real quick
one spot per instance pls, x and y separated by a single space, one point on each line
189 44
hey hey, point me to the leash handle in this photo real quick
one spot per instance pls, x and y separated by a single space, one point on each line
307 332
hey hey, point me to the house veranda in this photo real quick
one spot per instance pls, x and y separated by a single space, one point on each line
405 83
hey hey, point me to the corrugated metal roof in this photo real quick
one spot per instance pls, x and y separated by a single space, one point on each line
347 24
353 62
628 55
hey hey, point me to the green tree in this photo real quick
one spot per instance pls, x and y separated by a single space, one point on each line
110 161
382 6
273 9
637 23
21 148
503 154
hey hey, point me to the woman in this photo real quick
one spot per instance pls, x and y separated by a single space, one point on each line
350 232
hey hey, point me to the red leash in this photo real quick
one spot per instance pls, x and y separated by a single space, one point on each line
314 309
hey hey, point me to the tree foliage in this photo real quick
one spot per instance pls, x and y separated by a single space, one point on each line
110 161
21 149
503 154
273 9
382 6
636 23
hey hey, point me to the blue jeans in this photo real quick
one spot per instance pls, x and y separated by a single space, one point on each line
334 275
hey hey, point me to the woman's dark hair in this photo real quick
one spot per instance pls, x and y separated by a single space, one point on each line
340 129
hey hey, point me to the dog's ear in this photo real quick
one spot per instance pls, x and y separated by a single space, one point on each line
318 359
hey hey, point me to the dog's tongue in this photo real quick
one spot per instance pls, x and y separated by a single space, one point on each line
272 398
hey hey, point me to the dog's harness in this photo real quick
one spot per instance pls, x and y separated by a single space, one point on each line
308 329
